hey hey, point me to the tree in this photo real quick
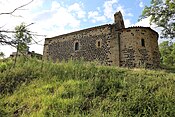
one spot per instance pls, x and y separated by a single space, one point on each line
2 55
167 51
5 39
22 38
162 13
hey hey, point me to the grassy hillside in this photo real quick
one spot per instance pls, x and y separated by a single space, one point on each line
43 89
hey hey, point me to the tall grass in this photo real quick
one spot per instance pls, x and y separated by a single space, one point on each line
76 88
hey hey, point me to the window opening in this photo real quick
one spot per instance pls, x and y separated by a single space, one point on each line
99 44
76 46
143 42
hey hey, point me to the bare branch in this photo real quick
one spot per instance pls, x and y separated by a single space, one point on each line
18 8
4 42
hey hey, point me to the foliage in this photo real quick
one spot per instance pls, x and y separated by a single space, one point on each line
167 51
162 13
42 88
2 55
5 64
22 37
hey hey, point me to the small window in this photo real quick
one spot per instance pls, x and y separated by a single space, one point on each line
143 42
98 43
76 46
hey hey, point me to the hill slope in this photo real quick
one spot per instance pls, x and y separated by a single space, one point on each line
40 89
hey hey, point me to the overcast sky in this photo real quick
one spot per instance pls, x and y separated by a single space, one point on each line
55 17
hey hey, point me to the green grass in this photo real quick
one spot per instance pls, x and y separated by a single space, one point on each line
77 89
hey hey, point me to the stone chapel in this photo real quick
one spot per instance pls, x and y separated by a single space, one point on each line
110 44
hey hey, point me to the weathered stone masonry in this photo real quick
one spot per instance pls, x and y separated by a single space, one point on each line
111 44
139 47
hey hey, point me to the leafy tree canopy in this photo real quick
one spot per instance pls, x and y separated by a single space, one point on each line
22 37
162 13
167 51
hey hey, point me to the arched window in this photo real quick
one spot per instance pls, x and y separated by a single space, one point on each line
76 46
143 42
